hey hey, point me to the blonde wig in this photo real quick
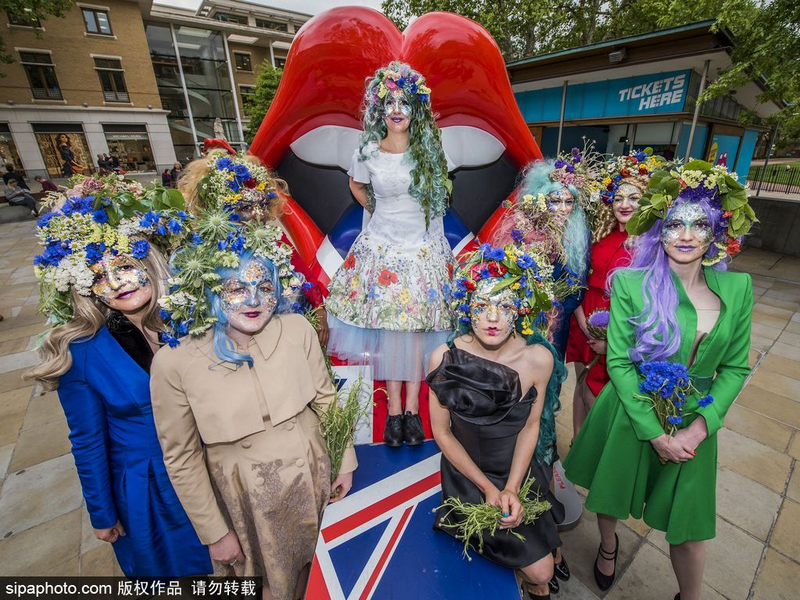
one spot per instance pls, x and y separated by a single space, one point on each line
90 314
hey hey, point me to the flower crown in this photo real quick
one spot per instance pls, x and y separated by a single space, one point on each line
237 184
217 241
580 169
695 181
528 274
636 166
77 233
397 76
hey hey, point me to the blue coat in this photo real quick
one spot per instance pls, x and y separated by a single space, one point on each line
568 305
106 399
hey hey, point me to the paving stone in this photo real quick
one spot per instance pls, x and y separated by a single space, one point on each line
794 447
774 311
5 458
776 383
780 364
40 444
761 343
787 337
765 331
745 503
785 350
754 460
574 590
771 321
88 540
580 549
779 303
758 427
42 410
15 401
779 578
26 331
12 380
38 494
69 568
752 357
638 525
786 537
771 405
10 425
650 576
36 550
98 562
793 490
792 327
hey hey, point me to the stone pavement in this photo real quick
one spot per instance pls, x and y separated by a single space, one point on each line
44 529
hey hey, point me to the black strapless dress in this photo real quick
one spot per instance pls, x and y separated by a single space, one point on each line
487 412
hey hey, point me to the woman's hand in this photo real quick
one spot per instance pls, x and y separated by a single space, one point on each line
692 435
111 534
511 506
597 346
227 549
341 485
673 448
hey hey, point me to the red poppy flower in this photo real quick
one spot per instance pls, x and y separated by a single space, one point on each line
733 246
642 171
727 214
625 172
634 160
469 284
250 183
450 270
387 277
610 187
497 269
350 261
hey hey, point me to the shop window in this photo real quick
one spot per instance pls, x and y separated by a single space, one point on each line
41 75
230 18
96 21
280 62
22 19
272 25
243 61
112 79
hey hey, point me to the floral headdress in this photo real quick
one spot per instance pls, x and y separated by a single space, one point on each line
397 76
236 183
634 168
695 181
217 241
528 274
581 169
77 233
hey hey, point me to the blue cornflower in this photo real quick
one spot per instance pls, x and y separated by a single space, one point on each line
541 318
705 400
182 215
569 169
44 220
169 339
424 98
182 328
234 218
174 226
224 163
458 294
100 216
517 236
463 307
484 248
163 314
432 295
161 230
485 273
196 239
140 249
296 307
401 82
222 244
149 220
94 252
241 172
674 420
559 164
496 254
464 319
237 245
234 184
525 262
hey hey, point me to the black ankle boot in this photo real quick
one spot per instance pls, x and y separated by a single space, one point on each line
393 432
412 429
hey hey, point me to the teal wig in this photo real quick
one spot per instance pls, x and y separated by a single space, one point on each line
576 235
429 186
546 446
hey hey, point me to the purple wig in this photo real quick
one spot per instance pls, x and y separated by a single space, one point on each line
658 336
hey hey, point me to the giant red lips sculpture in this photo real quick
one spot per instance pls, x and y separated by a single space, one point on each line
313 124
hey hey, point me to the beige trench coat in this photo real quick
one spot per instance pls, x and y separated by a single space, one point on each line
242 446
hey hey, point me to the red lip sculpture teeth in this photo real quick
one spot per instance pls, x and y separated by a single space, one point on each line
333 54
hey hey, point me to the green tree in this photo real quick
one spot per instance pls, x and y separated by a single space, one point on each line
30 11
258 103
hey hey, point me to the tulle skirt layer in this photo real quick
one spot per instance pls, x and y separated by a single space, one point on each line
393 355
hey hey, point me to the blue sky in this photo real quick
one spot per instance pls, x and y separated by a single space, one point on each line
306 6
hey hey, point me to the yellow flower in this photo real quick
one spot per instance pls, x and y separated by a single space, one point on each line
404 296
354 282
260 187
381 91
541 202
515 286
403 317
607 181
527 331
423 89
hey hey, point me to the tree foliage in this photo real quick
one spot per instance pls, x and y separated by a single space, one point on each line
257 105
766 32
31 11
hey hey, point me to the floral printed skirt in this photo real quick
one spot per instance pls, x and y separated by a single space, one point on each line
389 306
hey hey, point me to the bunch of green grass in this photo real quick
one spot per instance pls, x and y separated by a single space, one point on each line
338 423
472 519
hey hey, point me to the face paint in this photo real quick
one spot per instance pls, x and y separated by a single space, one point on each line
561 201
492 314
117 277
250 288
688 218
396 104
628 193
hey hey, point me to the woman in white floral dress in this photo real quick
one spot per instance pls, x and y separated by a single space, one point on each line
389 302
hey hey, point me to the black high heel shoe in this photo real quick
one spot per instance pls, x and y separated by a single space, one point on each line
561 570
606 581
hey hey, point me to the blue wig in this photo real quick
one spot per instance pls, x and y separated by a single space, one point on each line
224 347
576 235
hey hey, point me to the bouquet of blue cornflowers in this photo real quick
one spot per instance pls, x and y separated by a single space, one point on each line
667 385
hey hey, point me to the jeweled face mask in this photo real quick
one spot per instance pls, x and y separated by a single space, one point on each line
687 217
115 275
396 104
250 288
628 193
561 201
489 307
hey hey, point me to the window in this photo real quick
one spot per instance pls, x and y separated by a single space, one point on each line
273 25
22 19
247 92
96 21
280 62
230 18
112 79
41 75
242 61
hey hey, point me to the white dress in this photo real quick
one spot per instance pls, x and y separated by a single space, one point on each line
389 302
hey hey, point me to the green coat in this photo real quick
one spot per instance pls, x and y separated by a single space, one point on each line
612 456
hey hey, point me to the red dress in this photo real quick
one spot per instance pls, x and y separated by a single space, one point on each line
608 254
